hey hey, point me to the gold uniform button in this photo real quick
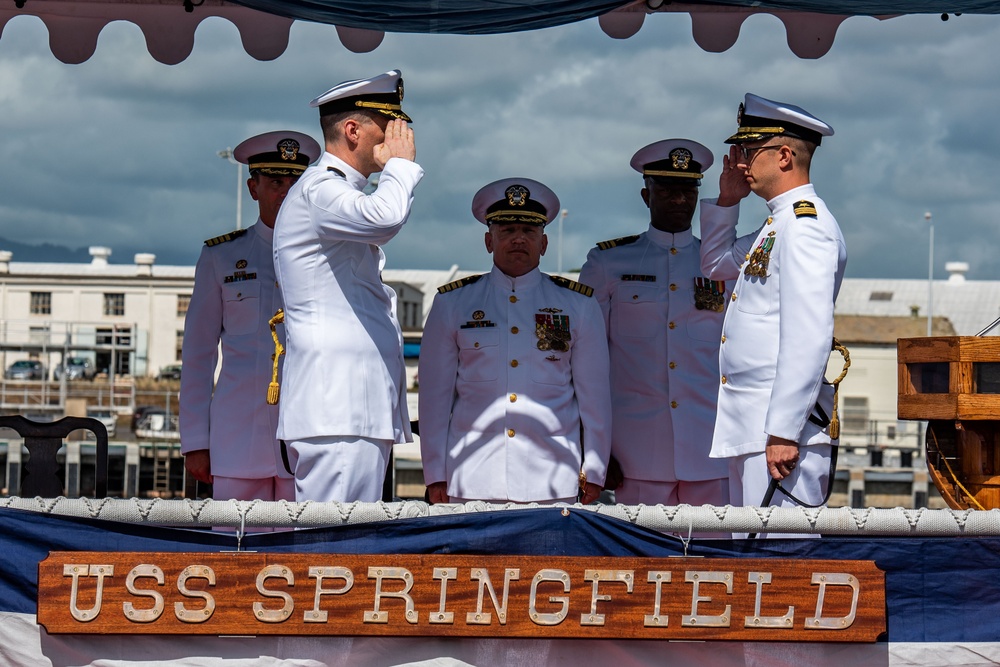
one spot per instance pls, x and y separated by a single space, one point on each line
734 296
723 338
673 251
513 364
723 379
672 326
673 404
770 219
748 257
510 433
635 297
672 365
513 299
276 283
514 330
239 294
475 345
513 398
673 287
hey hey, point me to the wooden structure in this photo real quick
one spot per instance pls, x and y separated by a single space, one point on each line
953 382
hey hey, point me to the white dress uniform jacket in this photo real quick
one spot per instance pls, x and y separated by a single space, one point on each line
234 297
778 329
500 418
664 353
343 372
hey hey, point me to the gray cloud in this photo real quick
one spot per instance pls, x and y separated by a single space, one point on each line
122 151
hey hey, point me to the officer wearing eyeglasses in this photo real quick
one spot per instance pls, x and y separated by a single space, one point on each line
774 406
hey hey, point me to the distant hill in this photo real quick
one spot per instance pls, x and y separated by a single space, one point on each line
46 252
50 252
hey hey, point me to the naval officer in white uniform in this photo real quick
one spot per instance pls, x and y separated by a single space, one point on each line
227 428
774 404
514 398
664 321
342 402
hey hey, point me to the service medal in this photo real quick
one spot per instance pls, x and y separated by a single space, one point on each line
709 294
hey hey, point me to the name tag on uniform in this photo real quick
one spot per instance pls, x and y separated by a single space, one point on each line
478 324
634 277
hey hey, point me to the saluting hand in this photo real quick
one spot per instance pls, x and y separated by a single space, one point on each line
733 185
398 142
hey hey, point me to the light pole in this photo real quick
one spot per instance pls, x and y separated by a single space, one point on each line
562 218
930 274
227 154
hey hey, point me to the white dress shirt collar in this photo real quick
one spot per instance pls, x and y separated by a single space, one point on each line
668 239
527 281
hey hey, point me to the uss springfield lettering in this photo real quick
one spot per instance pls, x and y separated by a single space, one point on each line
473 596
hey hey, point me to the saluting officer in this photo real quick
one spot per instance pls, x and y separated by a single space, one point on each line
774 406
664 323
513 368
227 428
343 402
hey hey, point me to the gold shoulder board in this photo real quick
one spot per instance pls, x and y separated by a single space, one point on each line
804 208
613 243
585 290
468 280
235 234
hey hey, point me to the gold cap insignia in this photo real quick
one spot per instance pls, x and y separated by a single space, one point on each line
517 195
681 158
288 148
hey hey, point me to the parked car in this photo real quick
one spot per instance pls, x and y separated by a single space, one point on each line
76 368
172 372
106 416
27 369
143 411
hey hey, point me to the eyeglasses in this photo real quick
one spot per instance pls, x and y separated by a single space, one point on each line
748 153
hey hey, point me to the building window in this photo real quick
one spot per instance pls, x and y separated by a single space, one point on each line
40 335
855 414
114 304
180 344
183 303
41 303
880 296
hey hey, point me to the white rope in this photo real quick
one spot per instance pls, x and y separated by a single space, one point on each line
678 519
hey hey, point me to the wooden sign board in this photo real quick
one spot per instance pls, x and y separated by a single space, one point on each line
461 596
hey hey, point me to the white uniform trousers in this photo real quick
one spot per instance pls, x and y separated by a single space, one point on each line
265 488
567 501
749 479
705 492
339 468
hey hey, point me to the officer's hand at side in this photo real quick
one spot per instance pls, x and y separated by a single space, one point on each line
199 464
733 184
590 493
437 493
782 457
398 143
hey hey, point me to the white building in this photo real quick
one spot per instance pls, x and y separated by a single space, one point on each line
128 318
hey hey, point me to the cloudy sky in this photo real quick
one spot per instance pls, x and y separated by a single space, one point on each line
122 151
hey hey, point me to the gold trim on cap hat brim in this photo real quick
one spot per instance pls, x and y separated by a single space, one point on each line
516 216
672 174
277 165
384 106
